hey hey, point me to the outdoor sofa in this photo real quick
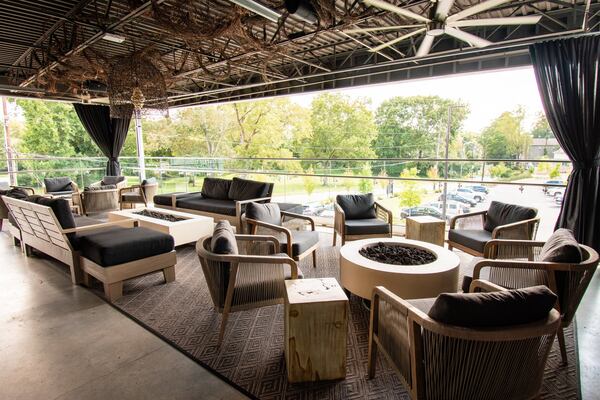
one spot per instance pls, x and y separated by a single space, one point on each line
111 252
222 199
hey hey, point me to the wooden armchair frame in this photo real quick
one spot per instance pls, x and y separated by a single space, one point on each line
525 229
339 223
255 224
502 273
4 209
74 186
418 365
151 189
41 230
237 262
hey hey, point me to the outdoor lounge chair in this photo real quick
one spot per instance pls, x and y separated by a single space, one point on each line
460 347
524 263
241 281
16 192
111 252
359 216
138 194
268 219
96 199
60 187
471 231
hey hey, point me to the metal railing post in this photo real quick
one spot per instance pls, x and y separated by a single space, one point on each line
140 146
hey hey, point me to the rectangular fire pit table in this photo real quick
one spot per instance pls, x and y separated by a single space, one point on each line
316 325
189 229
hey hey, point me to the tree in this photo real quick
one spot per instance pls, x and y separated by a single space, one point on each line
410 195
348 183
504 138
554 172
415 127
309 182
541 128
341 128
202 131
365 185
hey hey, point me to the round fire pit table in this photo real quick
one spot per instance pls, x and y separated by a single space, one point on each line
360 275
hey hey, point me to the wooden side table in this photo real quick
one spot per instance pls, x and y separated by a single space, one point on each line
426 229
316 326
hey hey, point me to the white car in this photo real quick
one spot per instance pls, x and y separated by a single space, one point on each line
453 208
555 191
471 194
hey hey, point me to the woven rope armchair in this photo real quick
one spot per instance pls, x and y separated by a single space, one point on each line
359 228
137 194
516 264
440 361
239 282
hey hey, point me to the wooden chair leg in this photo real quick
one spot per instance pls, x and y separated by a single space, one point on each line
314 257
561 343
372 363
28 251
334 237
113 291
87 278
169 274
1 223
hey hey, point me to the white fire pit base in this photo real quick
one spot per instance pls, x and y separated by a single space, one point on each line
359 275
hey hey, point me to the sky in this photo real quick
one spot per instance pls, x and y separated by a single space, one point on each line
488 94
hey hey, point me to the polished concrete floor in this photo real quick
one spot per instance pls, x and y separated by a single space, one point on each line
59 341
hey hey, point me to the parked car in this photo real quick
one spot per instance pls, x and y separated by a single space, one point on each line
420 211
551 185
454 196
558 198
453 208
555 191
471 194
479 188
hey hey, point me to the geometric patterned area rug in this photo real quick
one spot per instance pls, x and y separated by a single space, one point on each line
251 356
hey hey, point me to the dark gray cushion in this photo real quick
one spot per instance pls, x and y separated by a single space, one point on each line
291 207
223 239
505 308
60 184
371 226
501 214
301 241
357 206
268 212
65 195
472 238
121 245
15 193
60 207
101 187
149 181
198 203
165 199
216 188
112 180
245 189
561 247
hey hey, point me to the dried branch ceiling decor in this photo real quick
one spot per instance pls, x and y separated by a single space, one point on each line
208 51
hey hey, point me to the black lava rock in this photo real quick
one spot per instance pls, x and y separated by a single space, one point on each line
397 254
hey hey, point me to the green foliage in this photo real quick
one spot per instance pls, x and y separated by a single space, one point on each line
341 128
554 172
415 127
541 128
365 185
309 182
504 138
410 195
500 170
348 183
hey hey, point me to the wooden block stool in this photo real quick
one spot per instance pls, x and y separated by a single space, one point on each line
426 229
316 326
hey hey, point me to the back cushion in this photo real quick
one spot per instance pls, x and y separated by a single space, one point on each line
215 188
561 247
479 310
223 239
357 206
111 180
15 193
501 214
61 208
60 184
244 189
101 187
268 212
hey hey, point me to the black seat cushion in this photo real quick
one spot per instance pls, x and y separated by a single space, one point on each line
561 247
357 206
371 226
100 187
116 246
80 221
471 238
216 188
112 180
268 212
65 194
505 308
301 241
245 189
501 214
165 199
198 203
60 184
223 239
15 193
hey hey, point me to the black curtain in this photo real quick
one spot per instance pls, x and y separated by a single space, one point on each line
568 77
108 133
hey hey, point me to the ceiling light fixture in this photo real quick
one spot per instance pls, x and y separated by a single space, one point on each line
111 37
259 9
